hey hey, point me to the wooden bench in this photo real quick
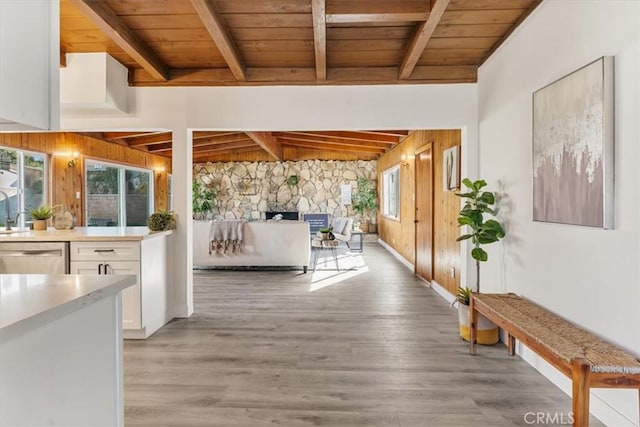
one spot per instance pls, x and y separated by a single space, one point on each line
582 356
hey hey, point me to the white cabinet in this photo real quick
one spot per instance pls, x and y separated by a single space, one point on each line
145 306
29 64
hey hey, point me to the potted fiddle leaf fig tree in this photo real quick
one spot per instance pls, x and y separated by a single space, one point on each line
203 199
479 205
364 200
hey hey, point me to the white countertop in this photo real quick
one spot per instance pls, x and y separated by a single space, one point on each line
29 300
82 233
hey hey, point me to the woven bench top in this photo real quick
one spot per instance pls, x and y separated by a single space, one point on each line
561 337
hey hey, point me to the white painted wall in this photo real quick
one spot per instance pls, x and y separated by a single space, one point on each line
279 108
587 275
29 64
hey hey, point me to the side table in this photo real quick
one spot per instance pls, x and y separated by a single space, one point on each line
318 245
361 235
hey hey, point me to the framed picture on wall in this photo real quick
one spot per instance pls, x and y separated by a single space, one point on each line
573 148
451 169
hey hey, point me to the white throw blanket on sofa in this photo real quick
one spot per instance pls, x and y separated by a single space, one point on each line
225 235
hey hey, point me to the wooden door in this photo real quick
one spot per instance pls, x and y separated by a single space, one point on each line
424 213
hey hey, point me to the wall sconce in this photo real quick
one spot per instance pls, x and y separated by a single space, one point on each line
74 159
404 160
159 169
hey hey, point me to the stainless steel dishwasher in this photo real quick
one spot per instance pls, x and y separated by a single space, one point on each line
34 258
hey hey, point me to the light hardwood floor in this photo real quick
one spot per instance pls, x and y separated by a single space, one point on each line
366 346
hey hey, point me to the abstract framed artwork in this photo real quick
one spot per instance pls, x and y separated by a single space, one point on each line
450 169
573 148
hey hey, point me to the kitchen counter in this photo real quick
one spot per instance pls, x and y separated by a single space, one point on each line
32 299
82 233
61 349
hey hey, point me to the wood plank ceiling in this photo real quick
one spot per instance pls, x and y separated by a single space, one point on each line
222 146
238 42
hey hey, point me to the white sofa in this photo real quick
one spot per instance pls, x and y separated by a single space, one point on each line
273 243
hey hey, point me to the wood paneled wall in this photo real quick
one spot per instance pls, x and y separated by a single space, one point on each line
400 235
65 181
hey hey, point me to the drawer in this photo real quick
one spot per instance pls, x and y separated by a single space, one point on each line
104 251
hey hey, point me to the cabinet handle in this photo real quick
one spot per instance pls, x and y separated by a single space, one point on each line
100 268
105 268
104 250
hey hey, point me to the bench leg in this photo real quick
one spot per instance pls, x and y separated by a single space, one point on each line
473 326
511 344
580 372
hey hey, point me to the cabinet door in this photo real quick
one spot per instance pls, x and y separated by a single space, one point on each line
131 304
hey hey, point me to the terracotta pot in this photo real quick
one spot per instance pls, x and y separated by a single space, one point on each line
39 224
364 227
488 333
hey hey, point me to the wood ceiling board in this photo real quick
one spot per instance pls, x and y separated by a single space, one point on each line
363 45
153 22
132 134
288 59
490 4
216 27
121 34
474 54
477 17
174 35
380 58
221 139
275 45
264 6
153 7
333 145
462 42
467 73
473 30
349 135
149 140
369 33
209 133
272 33
247 149
158 149
224 147
268 20
330 148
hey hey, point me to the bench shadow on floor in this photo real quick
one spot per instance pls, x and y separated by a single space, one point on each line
369 345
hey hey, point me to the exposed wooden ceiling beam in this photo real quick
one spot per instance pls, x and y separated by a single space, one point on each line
373 11
268 142
208 134
101 15
200 157
320 37
214 24
421 38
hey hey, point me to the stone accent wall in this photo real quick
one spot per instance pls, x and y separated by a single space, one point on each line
249 189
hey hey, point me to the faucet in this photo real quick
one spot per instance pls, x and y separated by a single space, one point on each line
8 220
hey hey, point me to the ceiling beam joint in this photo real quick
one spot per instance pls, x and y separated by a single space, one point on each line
268 142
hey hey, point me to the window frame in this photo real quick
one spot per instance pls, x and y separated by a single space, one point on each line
20 190
387 174
122 194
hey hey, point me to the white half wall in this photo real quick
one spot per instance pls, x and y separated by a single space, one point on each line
279 108
590 276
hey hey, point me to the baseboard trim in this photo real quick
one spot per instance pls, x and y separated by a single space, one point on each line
397 255
442 292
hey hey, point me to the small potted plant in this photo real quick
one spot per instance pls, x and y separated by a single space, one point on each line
40 216
326 233
364 200
161 221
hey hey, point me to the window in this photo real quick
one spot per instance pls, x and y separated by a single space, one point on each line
23 178
391 192
117 195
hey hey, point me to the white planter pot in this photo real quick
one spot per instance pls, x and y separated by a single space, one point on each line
488 333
